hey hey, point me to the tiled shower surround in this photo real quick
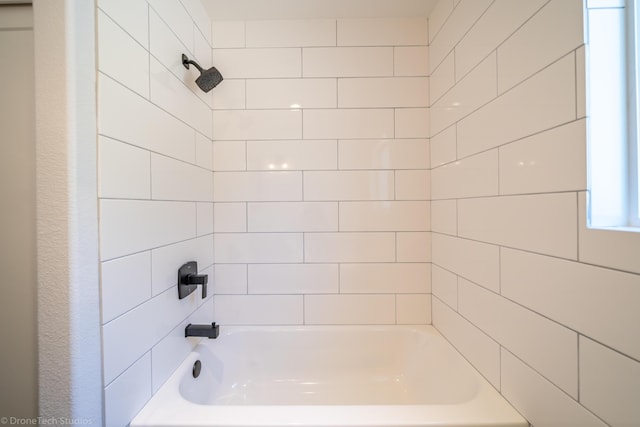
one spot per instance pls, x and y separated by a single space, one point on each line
343 170
321 172
545 308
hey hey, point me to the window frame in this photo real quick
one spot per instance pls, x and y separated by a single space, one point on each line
613 105
633 120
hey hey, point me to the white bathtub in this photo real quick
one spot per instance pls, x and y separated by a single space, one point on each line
327 376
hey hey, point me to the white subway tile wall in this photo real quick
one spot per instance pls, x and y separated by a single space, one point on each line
321 172
544 307
155 189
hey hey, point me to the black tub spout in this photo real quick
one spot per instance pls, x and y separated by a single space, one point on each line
210 331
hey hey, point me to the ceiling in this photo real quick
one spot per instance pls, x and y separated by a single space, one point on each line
228 10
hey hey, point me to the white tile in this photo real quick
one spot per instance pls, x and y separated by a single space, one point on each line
554 31
175 180
125 283
474 176
473 91
292 155
383 278
257 124
257 186
124 115
476 346
444 217
550 161
458 22
167 48
413 309
230 279
259 309
204 213
200 17
413 246
170 93
227 34
541 102
230 95
291 93
122 342
131 15
166 261
129 226
548 347
545 223
126 396
492 29
229 155
293 278
413 185
444 285
539 401
595 244
349 309
443 147
438 17
229 217
476 261
291 33
204 152
169 311
411 61
258 63
168 354
123 170
609 384
202 46
351 123
349 247
382 32
442 79
348 185
347 62
384 216
383 92
550 287
412 123
177 18
121 57
293 216
120 349
258 247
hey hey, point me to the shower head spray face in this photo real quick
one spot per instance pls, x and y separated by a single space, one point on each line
208 78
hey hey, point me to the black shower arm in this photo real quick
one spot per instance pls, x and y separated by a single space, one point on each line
186 61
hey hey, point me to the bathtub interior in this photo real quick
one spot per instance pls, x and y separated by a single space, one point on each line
328 366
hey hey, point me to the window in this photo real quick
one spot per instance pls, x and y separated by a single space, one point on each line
613 80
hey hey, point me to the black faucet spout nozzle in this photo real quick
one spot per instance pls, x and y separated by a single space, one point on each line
208 331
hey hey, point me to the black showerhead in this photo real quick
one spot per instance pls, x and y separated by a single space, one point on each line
208 78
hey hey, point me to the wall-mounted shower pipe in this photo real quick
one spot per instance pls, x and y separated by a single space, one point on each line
208 78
